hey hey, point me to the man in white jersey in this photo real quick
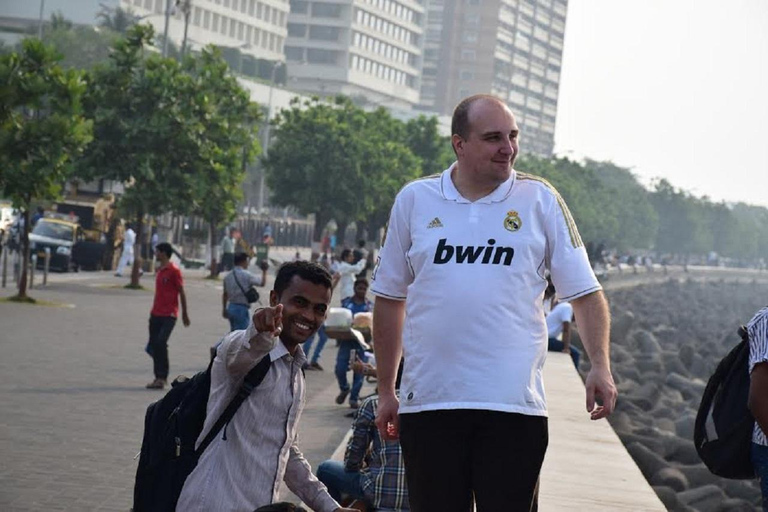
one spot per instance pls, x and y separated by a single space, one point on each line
758 396
459 285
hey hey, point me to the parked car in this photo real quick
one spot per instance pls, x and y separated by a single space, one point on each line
70 245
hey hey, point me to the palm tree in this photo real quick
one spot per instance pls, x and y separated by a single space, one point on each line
116 19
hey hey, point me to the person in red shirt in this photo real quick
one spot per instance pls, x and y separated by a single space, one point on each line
169 287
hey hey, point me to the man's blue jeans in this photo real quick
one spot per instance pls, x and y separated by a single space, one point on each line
321 339
239 316
346 347
760 461
338 481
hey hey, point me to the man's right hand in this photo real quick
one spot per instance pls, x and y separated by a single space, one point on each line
269 320
224 314
387 420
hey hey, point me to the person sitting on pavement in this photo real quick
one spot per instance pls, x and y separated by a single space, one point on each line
373 469
357 303
235 307
242 469
559 318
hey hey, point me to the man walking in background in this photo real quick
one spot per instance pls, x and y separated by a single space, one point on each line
126 257
459 282
169 288
228 251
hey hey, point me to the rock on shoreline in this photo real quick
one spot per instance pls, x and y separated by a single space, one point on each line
666 340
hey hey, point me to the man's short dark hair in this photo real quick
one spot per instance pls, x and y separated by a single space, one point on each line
165 247
306 270
361 280
460 122
344 254
240 257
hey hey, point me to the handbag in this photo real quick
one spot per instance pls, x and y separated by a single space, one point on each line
251 295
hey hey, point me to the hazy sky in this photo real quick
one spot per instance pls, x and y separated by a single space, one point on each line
675 89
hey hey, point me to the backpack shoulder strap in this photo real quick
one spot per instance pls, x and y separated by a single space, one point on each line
234 275
251 381
744 333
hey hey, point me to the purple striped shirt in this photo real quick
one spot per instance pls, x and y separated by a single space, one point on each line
758 353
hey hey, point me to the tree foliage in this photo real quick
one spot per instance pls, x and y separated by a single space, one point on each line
337 161
42 129
227 139
145 130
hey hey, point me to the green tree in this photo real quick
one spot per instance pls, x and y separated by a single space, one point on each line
423 139
41 130
336 161
81 46
117 20
228 142
146 131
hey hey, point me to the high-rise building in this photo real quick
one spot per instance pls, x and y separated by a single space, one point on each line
255 27
510 48
368 48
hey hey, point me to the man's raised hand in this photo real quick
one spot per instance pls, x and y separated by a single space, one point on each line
269 319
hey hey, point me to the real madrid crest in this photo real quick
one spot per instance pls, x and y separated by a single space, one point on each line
512 222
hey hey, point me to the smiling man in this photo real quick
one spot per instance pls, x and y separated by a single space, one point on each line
459 285
243 467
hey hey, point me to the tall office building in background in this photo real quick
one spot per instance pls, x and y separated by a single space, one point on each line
369 48
510 48
255 27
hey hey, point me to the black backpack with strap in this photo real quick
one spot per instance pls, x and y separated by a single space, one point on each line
171 428
724 425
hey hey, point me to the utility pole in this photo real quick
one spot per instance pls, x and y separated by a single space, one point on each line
40 24
187 10
167 22
266 135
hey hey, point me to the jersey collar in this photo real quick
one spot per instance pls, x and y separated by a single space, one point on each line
451 193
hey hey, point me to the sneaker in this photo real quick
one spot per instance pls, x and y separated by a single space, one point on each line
156 384
354 404
342 396
316 366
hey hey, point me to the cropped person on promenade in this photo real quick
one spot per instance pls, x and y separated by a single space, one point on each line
460 282
169 288
758 396
234 305
350 350
373 469
126 256
242 469
559 319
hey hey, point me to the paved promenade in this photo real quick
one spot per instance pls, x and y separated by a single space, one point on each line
73 401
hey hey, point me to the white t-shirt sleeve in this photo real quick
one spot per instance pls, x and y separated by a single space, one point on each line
393 274
566 256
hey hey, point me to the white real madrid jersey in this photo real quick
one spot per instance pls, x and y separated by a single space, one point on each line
473 277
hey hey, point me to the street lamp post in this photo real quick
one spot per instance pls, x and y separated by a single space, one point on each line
266 134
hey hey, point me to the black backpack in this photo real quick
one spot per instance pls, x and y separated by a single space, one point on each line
171 428
724 425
